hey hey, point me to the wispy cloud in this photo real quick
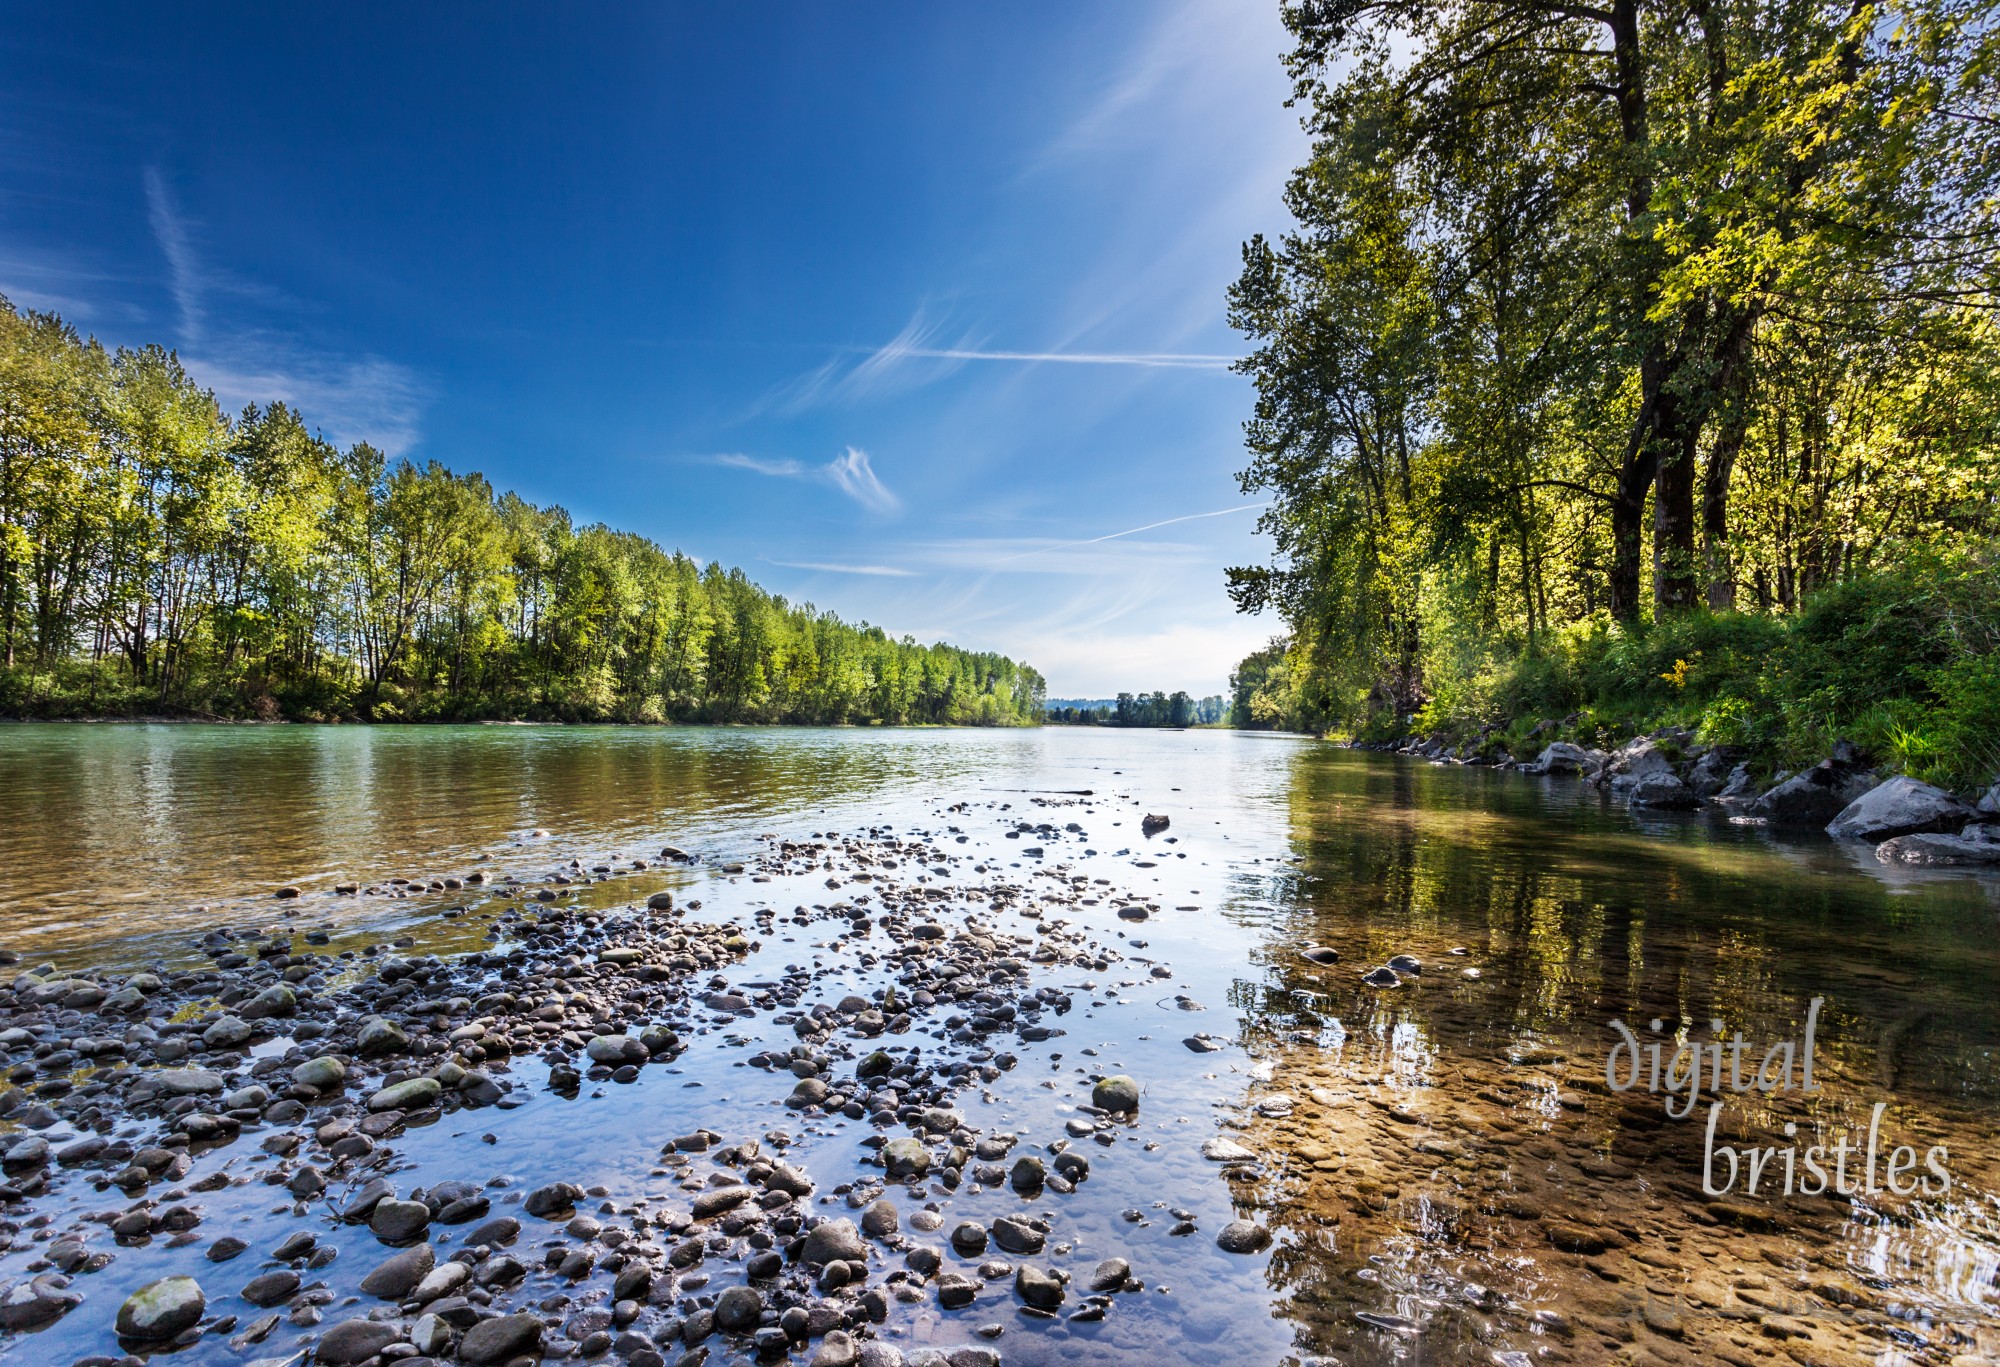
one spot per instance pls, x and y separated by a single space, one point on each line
824 567
351 398
850 472
183 275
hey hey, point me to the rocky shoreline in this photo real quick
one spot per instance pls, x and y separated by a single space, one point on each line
280 1064
1845 794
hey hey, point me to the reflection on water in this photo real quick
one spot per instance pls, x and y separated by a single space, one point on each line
1448 1174
1455 1175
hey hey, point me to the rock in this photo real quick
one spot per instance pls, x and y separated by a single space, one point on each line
716 1200
1976 846
271 1288
378 1036
412 1095
1633 763
955 1291
396 1278
1711 773
160 1310
1109 1275
614 1050
32 1304
189 1081
1323 955
227 1033
1662 790
1741 787
1016 1235
501 1339
837 1349
969 1238
502 1229
276 1000
832 1240
354 1341
1243 1236
1564 758
1382 976
324 1074
880 1221
1153 821
660 901
399 1222
1901 806
1221 1150
1408 965
1814 797
1116 1094
557 1199
1989 803
1038 1288
1028 1176
739 1310
906 1158
875 1353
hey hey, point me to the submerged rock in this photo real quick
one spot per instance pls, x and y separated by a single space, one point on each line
160 1310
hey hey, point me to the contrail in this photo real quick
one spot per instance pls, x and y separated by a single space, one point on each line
1131 531
1167 360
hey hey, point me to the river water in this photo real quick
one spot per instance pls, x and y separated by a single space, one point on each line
1446 1171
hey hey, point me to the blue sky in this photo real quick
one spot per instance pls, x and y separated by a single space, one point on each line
909 310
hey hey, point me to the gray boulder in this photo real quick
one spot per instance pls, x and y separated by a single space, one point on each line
355 1341
1976 846
1633 763
834 1241
1565 758
1660 790
1990 803
1814 797
1713 771
500 1339
1901 806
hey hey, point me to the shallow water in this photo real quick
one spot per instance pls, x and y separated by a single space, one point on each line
1451 1161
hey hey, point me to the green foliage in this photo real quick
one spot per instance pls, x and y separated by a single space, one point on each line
1577 288
157 557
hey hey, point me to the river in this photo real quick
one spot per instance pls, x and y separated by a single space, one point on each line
1447 1173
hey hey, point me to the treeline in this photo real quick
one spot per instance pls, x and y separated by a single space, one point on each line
1139 709
158 556
1601 320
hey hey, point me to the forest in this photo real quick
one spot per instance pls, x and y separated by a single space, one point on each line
1156 709
159 557
1634 362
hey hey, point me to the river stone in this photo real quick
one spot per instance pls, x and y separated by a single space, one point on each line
955 1291
555 1199
1976 846
1901 806
271 1288
500 1339
398 1222
1016 1235
616 1049
1814 797
969 1238
325 1073
1381 976
378 1036
1038 1288
1110 1275
1633 763
837 1349
1242 1236
189 1081
31 1304
160 1310
396 1278
1663 791
502 1229
355 1341
660 901
413 1095
1564 758
716 1200
879 1220
739 1310
1223 1150
227 1033
834 1240
277 1000
906 1158
1118 1093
